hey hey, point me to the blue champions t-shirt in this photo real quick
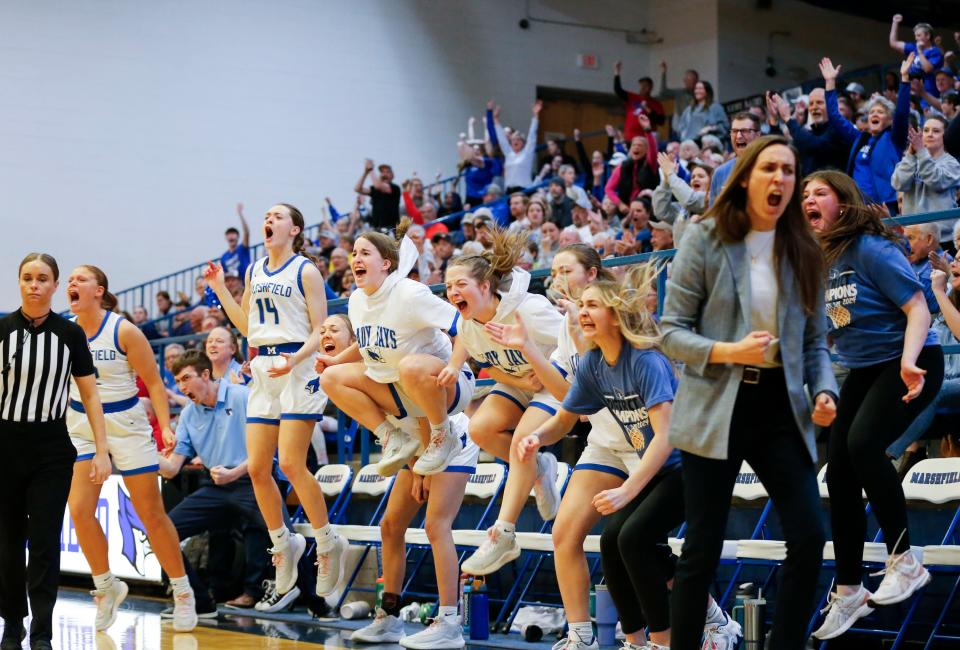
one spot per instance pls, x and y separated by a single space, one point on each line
639 380
865 289
935 57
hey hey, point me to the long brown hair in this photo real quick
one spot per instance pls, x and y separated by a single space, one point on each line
108 301
857 217
389 247
794 239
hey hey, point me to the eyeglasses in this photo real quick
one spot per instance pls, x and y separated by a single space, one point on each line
742 131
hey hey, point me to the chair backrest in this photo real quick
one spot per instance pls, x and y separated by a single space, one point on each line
935 480
334 479
563 475
485 484
748 486
369 482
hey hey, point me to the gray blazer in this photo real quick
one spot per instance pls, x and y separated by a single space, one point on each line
708 300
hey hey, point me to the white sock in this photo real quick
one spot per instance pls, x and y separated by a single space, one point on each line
280 536
446 610
584 631
506 526
103 582
180 584
714 613
442 428
324 537
382 430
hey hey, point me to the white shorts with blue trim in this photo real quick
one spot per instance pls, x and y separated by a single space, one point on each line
294 396
608 461
466 383
542 400
464 462
130 440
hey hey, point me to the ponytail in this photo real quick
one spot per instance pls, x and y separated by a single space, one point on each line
108 301
495 264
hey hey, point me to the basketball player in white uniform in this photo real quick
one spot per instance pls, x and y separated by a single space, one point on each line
283 306
514 407
120 353
400 340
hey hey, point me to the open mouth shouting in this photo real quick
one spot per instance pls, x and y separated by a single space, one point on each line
814 217
461 305
74 297
267 232
775 198
328 344
359 273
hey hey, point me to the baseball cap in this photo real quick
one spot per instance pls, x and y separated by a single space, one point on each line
482 217
854 87
468 219
328 233
661 225
441 236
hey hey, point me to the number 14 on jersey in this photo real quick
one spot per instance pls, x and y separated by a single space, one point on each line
265 306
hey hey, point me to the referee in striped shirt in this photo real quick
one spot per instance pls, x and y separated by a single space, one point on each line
39 352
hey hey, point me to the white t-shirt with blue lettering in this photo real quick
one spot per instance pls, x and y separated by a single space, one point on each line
866 288
639 380
397 321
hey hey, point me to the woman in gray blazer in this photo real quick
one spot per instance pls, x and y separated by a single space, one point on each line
744 312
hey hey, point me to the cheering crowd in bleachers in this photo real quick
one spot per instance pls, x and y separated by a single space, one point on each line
656 175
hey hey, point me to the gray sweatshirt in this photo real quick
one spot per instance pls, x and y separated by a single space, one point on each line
928 184
677 212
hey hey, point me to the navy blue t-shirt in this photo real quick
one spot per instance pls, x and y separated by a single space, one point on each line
639 380
866 288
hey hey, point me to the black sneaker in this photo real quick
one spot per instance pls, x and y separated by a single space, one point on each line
275 602
11 640
201 612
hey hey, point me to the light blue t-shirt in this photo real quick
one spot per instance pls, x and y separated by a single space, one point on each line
865 289
219 434
639 380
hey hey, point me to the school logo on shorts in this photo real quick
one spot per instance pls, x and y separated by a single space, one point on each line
313 386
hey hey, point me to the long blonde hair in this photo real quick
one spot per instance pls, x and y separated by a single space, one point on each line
628 301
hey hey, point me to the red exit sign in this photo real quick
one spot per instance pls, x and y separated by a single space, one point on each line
588 61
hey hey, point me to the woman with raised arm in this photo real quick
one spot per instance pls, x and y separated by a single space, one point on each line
284 303
744 313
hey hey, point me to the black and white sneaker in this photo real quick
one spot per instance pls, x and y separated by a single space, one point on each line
274 601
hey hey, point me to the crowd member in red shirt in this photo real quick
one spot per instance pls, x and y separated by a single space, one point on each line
637 104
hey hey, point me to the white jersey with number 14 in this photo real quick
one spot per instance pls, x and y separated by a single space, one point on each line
278 308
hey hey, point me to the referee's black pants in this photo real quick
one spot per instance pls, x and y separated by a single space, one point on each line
38 463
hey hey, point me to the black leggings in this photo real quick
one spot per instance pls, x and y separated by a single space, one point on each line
636 561
871 415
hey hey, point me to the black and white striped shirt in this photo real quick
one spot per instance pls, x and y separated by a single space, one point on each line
36 365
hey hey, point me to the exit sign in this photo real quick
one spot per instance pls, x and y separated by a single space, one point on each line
588 61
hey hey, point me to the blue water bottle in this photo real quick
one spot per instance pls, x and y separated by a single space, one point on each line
479 614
